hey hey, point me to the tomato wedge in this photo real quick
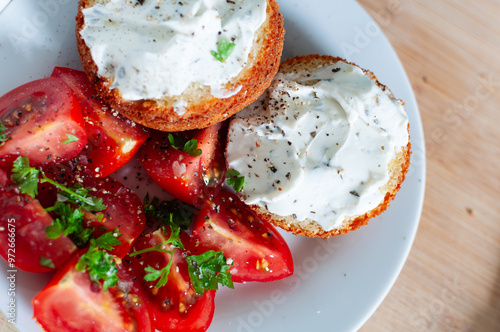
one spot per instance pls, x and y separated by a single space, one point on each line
41 120
176 306
23 242
182 175
71 302
124 210
112 139
258 251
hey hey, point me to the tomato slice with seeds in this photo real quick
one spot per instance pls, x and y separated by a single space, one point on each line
258 251
176 306
124 210
43 121
22 232
71 302
112 139
183 176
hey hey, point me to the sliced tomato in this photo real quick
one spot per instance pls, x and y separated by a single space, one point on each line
124 210
258 251
179 173
43 121
176 306
23 242
112 139
71 302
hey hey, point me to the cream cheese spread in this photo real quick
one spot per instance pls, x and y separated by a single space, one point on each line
318 145
150 49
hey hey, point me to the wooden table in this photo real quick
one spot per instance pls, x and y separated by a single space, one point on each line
451 52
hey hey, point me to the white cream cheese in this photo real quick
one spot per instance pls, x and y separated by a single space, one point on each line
150 49
318 146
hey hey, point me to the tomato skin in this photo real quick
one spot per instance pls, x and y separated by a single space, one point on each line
258 250
197 310
112 139
71 302
124 211
23 216
177 172
38 116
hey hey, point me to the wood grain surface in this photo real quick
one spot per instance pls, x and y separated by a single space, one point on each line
451 52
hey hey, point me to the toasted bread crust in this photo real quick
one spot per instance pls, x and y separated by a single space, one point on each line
398 167
203 110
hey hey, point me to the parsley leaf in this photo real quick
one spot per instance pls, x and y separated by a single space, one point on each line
28 178
161 274
173 240
3 136
47 262
169 213
224 50
71 139
208 270
234 180
68 223
77 195
190 147
108 240
25 176
99 263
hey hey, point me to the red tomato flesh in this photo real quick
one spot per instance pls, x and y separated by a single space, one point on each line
71 302
43 122
176 306
112 139
24 217
258 251
124 210
183 176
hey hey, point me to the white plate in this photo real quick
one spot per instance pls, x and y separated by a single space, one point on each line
338 282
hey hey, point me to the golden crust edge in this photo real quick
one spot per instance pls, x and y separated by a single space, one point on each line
254 81
399 168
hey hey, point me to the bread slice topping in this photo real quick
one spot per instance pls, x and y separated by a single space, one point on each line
150 49
318 144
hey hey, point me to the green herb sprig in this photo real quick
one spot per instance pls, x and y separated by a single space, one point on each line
71 139
99 263
208 270
3 135
224 50
233 179
188 146
28 178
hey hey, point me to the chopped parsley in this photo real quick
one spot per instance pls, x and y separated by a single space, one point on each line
161 275
77 195
224 50
188 146
25 176
3 136
68 223
99 263
208 270
28 178
47 262
71 139
234 180
170 213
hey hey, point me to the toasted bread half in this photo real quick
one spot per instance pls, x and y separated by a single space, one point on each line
397 167
202 109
